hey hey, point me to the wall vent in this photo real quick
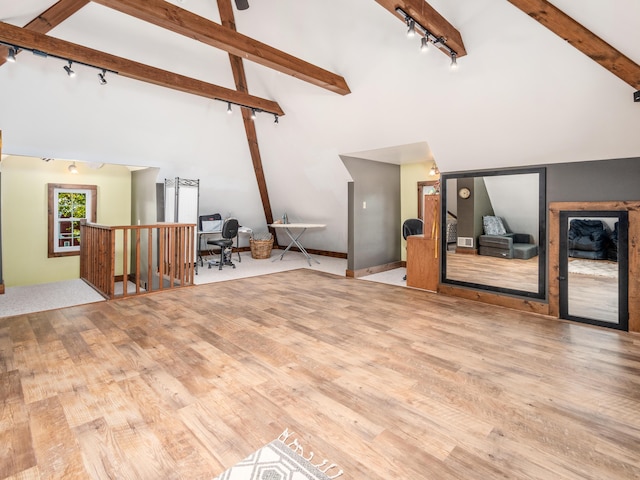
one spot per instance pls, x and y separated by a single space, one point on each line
465 242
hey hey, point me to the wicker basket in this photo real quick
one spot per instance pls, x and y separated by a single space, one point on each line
261 248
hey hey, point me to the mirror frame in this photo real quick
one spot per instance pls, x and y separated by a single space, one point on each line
542 231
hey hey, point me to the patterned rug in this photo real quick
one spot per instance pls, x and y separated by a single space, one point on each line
282 459
600 268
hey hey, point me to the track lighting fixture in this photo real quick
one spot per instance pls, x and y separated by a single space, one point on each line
454 62
275 119
427 37
14 49
254 111
72 168
411 32
424 45
70 72
101 77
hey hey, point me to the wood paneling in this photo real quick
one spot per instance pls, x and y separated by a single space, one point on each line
387 382
581 38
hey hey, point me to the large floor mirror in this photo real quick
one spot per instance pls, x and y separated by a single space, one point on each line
494 231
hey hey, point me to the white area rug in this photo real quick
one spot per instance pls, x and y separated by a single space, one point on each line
282 459
599 268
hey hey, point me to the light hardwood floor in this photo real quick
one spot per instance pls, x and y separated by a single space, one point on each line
388 382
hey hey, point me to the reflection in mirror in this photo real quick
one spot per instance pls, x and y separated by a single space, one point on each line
494 226
593 267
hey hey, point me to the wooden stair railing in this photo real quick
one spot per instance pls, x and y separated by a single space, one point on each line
168 250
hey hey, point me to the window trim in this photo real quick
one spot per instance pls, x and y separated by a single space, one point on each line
51 212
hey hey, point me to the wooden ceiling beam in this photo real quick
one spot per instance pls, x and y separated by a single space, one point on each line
237 66
179 20
49 19
582 38
23 38
428 17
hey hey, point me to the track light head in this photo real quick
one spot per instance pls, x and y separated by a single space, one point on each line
454 62
67 68
275 119
72 168
11 56
411 32
253 114
101 77
229 111
424 45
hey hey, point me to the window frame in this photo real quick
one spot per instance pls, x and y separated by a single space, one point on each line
52 199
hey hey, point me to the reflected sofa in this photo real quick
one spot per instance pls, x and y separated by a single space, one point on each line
497 242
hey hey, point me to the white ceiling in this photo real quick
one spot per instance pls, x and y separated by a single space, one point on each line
522 96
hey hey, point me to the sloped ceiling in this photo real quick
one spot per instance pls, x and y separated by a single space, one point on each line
521 96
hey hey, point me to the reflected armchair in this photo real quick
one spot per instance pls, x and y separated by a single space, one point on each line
497 242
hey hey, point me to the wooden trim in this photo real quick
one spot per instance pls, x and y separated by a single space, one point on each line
633 209
582 38
130 69
1 288
428 17
375 269
181 21
525 305
50 212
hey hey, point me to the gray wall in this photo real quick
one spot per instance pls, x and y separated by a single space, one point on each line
374 231
597 181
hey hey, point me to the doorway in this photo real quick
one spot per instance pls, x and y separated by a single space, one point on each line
593 267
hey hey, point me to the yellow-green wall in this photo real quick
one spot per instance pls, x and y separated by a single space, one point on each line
24 214
410 175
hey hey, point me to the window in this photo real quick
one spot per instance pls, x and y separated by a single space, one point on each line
68 205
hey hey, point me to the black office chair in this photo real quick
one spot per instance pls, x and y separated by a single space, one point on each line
229 232
412 226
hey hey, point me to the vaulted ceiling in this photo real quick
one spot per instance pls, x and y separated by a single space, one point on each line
343 75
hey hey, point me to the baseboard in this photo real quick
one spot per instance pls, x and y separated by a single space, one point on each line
1 288
375 269
466 251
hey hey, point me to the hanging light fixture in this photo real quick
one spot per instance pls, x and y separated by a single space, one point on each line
70 72
72 168
253 114
11 56
275 119
101 77
440 42
424 45
229 111
411 32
